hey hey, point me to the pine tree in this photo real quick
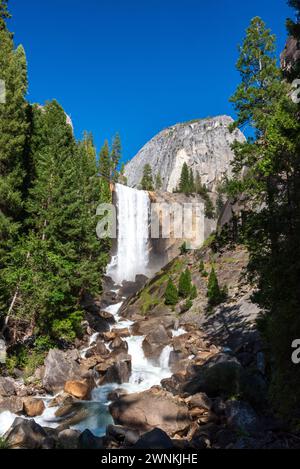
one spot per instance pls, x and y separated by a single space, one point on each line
116 154
14 127
171 294
194 293
261 81
184 183
214 293
185 284
158 182
122 177
147 180
105 162
192 182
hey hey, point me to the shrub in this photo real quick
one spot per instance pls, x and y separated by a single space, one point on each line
194 293
183 249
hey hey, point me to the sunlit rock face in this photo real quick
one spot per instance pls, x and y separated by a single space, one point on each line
205 145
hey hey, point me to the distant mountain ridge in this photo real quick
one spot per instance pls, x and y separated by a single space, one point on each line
204 144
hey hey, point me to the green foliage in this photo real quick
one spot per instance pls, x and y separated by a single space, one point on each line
115 157
194 292
185 284
183 249
184 183
147 180
158 182
214 293
171 294
3 443
188 305
202 190
105 163
272 182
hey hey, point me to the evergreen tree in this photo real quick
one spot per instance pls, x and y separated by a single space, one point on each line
171 294
184 183
13 137
214 293
260 84
122 177
105 162
185 284
116 154
194 293
60 260
272 232
147 180
192 182
158 182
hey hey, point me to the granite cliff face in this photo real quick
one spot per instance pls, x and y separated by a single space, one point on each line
203 144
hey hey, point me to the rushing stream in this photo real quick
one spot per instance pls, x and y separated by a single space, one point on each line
131 259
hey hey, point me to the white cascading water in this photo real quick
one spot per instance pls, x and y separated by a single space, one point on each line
132 256
131 259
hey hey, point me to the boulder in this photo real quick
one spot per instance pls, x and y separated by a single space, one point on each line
33 407
116 394
68 439
119 372
241 417
107 316
13 404
88 441
7 387
155 439
220 375
148 325
118 345
25 434
79 389
59 368
155 341
122 434
150 409
199 400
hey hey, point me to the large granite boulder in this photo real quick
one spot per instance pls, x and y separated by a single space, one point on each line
59 368
150 409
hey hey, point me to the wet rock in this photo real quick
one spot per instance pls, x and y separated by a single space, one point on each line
33 407
118 345
88 441
59 368
7 387
97 323
25 434
146 326
68 439
107 316
155 439
116 394
119 372
150 409
60 400
155 341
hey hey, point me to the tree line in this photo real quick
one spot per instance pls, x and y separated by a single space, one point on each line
270 226
50 257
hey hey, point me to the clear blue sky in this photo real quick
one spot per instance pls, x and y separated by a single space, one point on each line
137 66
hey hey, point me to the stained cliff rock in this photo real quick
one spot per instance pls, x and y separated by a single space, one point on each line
203 144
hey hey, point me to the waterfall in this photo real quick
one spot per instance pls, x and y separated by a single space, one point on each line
132 256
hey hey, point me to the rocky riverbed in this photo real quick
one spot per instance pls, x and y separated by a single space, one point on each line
154 379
